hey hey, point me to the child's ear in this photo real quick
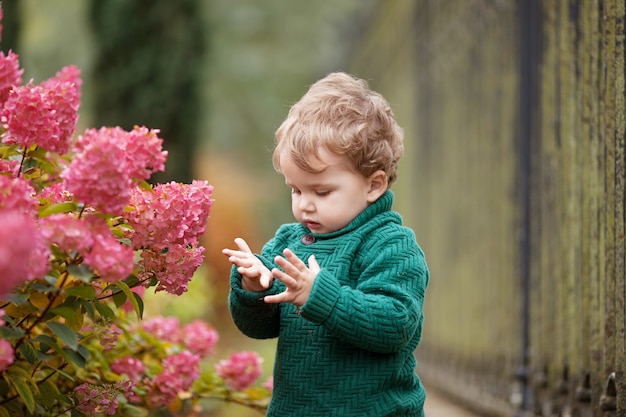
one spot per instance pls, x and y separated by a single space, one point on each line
378 183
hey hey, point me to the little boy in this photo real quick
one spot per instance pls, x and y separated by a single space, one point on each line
343 288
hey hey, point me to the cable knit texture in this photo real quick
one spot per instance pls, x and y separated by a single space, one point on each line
349 351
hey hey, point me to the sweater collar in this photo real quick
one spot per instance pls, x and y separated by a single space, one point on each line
383 204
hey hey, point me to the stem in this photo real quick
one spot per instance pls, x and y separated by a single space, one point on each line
230 399
19 169
43 313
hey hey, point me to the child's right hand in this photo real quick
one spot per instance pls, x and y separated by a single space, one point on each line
255 276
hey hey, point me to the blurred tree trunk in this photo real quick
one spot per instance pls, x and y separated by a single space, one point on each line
148 62
10 25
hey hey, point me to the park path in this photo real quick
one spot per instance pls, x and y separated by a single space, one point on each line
437 405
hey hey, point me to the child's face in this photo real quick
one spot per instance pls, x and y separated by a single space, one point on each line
326 201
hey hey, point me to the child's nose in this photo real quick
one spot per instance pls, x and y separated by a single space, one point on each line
306 203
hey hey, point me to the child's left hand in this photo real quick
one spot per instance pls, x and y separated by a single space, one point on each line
296 276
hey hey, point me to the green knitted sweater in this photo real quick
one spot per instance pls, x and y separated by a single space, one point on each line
349 350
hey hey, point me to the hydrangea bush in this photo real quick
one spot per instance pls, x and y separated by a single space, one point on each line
82 236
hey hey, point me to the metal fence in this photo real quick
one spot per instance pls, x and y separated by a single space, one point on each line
514 179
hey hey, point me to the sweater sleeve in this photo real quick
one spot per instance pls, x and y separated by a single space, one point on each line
383 312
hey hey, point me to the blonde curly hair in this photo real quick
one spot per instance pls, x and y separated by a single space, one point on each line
341 114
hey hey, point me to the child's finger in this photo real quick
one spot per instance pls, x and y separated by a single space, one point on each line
283 297
313 265
242 245
285 278
265 280
293 259
287 266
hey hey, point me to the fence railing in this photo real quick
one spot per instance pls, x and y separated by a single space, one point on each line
514 181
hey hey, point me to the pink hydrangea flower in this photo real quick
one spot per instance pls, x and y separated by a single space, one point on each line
143 148
142 153
132 367
199 338
23 255
67 232
269 383
111 260
9 167
7 355
27 118
10 74
69 74
97 175
17 194
39 262
173 267
109 162
173 213
164 328
55 193
44 115
109 338
241 370
167 224
97 399
179 373
63 96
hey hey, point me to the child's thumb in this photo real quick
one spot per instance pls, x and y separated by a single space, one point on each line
313 263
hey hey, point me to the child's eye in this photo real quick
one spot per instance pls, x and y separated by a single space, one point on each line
322 193
295 191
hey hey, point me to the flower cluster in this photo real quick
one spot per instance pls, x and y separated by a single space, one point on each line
108 162
83 235
98 399
162 359
241 370
166 224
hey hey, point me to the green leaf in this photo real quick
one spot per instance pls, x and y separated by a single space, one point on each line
7 332
89 308
8 150
75 322
119 298
132 411
140 304
83 351
4 412
23 390
125 241
67 335
81 272
145 185
18 299
132 281
65 207
45 340
28 351
132 297
65 311
49 392
86 292
104 310
75 358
